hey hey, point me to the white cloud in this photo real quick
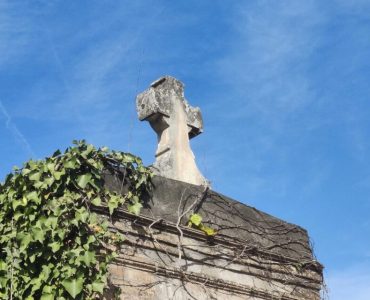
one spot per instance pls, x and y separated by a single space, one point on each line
18 135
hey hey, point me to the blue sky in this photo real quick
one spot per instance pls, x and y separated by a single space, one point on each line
283 87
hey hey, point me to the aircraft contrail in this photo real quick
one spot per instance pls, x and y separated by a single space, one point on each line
10 125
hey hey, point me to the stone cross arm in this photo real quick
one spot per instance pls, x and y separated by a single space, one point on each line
158 99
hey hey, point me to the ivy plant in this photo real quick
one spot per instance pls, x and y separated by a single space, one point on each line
52 244
195 221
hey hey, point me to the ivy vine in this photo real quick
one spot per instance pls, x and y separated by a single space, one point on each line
52 246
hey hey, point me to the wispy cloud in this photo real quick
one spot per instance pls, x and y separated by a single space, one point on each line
14 32
97 79
268 87
18 135
269 57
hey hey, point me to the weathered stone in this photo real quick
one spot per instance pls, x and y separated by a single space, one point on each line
164 106
234 220
253 256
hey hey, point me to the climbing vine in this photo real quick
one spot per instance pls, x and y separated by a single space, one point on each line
52 246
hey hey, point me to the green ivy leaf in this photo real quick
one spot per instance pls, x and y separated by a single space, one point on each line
127 157
55 246
88 258
35 283
35 176
3 265
47 297
51 222
25 239
49 181
57 175
82 215
51 167
32 196
83 180
88 150
38 234
208 230
25 171
135 208
98 286
47 289
112 204
195 219
73 286
96 201
71 163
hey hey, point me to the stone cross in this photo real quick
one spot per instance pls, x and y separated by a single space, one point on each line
175 122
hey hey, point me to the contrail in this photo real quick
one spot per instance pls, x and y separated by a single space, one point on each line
15 131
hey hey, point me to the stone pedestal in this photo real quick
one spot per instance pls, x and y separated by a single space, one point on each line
253 256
